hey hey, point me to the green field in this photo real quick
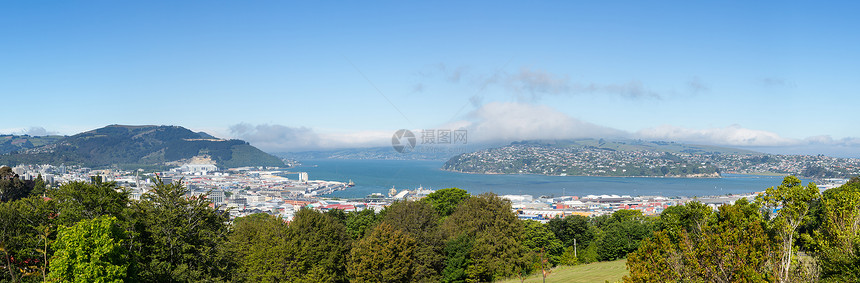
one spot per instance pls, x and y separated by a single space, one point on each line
593 272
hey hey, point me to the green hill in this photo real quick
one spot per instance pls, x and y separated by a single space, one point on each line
12 143
640 158
637 145
141 145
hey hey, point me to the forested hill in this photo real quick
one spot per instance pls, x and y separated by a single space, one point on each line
11 143
598 157
141 145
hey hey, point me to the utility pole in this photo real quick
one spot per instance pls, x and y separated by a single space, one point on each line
574 247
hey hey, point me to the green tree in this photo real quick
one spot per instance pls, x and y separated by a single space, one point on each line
496 235
660 259
570 256
11 187
338 214
792 200
182 238
90 251
82 200
574 231
836 242
624 215
39 186
358 223
445 201
733 246
457 259
27 228
386 255
10 231
539 239
602 221
258 243
689 217
622 234
319 248
421 222
621 238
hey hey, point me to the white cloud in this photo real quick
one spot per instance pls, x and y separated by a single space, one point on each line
280 138
359 139
32 131
822 139
538 82
273 137
505 122
532 85
756 140
828 140
493 122
39 131
521 121
12 131
733 135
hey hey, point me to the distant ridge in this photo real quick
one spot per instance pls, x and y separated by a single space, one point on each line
12 143
638 145
641 158
145 145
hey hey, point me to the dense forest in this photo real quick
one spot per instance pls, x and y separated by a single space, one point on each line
93 232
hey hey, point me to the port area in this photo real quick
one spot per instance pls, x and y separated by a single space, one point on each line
275 191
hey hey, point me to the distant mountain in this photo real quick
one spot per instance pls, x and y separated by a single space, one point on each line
386 152
420 152
10 143
446 152
599 157
637 145
141 145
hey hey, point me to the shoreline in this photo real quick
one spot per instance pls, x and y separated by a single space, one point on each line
719 176
379 176
768 174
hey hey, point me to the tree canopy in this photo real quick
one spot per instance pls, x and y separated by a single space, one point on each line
445 201
386 255
90 251
752 242
496 233
92 231
319 248
258 243
12 187
181 237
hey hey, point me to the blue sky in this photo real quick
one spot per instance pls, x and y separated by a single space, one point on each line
776 76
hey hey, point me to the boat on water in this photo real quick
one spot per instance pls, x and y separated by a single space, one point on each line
350 184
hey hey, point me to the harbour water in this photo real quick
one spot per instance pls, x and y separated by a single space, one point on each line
378 176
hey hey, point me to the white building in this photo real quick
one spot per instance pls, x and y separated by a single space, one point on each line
195 168
303 176
217 196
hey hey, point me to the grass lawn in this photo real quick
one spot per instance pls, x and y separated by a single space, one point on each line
593 272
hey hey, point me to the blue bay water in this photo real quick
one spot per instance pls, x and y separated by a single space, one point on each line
378 176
